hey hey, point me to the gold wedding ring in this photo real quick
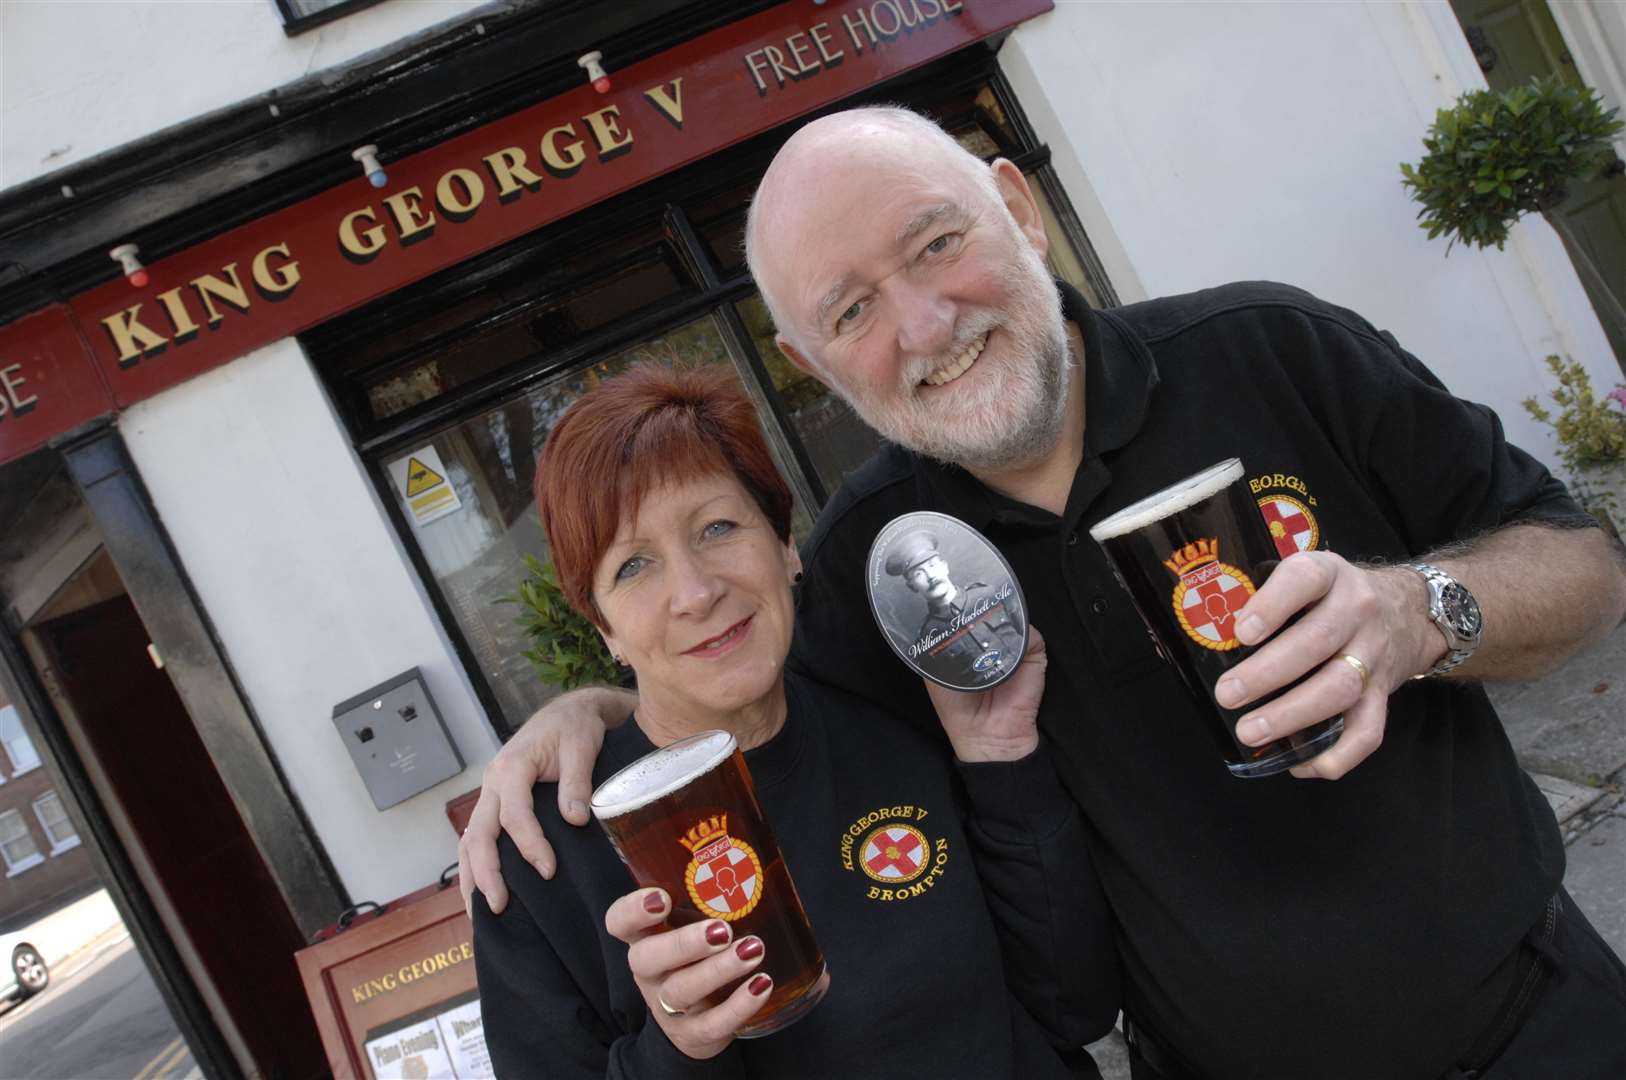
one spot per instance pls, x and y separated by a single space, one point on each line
667 1009
1360 669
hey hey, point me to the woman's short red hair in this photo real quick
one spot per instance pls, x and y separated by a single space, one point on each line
649 427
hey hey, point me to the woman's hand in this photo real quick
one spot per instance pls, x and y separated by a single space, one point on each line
1001 724
676 969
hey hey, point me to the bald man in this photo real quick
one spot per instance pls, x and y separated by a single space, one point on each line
1406 921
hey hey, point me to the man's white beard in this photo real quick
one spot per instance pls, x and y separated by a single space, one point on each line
1000 419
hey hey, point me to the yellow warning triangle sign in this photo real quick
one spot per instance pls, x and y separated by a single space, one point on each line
420 477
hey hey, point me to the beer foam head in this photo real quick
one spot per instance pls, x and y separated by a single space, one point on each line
1171 500
661 772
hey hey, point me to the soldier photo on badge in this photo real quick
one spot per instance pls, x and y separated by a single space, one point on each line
948 603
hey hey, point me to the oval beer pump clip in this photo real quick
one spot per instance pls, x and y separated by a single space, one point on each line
946 601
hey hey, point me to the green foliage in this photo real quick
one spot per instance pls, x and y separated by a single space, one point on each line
1494 157
1591 431
566 649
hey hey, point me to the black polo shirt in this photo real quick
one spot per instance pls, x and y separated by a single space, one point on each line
1269 927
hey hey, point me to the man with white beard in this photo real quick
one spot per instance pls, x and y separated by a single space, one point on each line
1406 921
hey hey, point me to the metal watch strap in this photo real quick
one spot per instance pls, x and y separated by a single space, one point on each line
1438 580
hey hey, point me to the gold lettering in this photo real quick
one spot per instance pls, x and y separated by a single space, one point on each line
178 315
670 104
357 997
446 195
12 384
369 243
131 337
874 893
211 288
797 44
852 30
566 160
756 72
509 170
467 949
273 280
776 60
406 207
897 16
606 131
822 37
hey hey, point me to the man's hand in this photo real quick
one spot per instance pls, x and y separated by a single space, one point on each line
1378 616
1001 724
560 742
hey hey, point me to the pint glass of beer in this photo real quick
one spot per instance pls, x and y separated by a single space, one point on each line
1190 556
685 818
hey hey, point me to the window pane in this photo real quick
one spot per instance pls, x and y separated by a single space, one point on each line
19 747
16 844
477 553
54 818
836 440
534 331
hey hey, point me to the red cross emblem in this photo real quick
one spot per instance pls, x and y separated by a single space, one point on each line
1291 524
1206 602
728 884
895 853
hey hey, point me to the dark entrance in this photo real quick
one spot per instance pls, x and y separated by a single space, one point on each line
129 721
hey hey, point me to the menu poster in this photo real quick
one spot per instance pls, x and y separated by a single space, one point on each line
445 1042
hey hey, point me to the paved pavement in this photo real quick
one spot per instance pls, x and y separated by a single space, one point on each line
1569 732
101 1018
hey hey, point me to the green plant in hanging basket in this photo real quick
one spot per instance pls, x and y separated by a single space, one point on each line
566 650
1494 157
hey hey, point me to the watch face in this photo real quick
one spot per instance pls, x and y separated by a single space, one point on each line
1461 611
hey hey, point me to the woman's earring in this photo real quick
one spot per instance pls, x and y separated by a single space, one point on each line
796 578
618 660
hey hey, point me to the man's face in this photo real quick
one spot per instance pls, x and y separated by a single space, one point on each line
925 304
931 579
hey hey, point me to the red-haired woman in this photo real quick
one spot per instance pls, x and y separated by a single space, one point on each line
670 530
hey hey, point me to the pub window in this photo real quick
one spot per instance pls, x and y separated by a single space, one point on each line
299 16
477 363
54 820
17 845
19 747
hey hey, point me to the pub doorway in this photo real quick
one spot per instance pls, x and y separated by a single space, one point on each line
218 936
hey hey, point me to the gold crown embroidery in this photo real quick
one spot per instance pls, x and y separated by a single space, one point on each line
1193 555
705 832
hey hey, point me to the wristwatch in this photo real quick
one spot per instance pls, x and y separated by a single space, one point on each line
1455 611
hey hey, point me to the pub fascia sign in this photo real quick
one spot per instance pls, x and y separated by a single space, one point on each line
306 263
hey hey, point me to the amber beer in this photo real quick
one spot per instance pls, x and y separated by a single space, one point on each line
685 818
1190 556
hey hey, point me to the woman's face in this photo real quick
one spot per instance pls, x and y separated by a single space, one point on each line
695 589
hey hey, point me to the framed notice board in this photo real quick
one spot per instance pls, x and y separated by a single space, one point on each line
394 995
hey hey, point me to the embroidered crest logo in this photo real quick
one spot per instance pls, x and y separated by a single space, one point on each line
724 876
895 853
888 845
1209 594
1291 524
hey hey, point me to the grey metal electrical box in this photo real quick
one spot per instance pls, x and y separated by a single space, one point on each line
397 739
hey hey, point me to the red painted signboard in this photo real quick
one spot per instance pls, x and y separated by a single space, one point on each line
299 266
48 382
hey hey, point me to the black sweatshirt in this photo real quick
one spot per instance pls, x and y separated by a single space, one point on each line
1270 927
919 985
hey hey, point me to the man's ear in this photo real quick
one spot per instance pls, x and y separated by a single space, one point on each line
794 355
1018 198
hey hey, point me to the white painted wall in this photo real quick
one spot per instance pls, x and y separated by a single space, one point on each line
286 542
78 77
1211 142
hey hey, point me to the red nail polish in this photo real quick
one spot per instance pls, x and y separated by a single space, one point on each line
749 949
654 903
717 934
759 985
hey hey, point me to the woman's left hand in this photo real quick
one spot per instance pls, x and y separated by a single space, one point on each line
1001 724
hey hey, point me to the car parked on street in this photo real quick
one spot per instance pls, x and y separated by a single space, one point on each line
26 972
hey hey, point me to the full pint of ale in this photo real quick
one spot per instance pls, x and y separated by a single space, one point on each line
1190 556
685 818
